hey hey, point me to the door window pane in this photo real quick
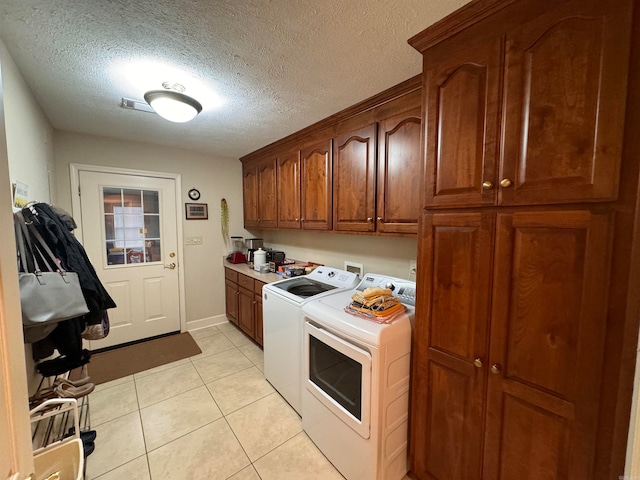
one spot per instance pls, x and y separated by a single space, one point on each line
131 226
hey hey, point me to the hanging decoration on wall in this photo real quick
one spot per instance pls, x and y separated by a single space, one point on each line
224 221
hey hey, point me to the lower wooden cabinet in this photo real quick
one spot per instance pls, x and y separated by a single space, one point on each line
508 348
243 296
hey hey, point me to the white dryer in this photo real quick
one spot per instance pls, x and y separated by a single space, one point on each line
282 303
356 383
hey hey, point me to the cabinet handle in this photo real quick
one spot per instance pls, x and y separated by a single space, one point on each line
379 219
505 182
254 302
237 293
302 219
478 363
495 368
488 185
369 219
296 219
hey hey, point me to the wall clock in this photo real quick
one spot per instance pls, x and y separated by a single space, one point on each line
194 194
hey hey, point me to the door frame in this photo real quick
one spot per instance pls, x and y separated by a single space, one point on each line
76 168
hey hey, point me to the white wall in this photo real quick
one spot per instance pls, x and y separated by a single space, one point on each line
384 255
29 151
29 133
216 178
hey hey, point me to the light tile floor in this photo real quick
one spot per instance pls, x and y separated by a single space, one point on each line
211 416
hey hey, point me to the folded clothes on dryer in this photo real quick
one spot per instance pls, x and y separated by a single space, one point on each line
376 304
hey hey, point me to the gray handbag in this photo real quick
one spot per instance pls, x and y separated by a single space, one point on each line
46 296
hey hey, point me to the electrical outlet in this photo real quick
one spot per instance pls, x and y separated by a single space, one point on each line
413 269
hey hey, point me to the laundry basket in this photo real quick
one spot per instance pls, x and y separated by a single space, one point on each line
66 458
61 453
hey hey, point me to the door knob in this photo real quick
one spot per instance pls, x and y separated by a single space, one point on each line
505 182
488 185
495 368
478 363
171 266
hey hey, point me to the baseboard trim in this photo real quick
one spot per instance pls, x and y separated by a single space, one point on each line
206 322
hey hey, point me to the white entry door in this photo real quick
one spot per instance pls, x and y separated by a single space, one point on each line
129 227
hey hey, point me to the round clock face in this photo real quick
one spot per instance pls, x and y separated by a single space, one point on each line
194 194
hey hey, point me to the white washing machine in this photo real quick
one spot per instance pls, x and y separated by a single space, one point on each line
282 303
355 399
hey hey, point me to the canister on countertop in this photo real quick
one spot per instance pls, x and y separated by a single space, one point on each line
259 259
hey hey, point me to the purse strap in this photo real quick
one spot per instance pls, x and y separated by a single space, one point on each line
26 261
36 242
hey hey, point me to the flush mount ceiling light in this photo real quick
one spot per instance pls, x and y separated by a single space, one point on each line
172 104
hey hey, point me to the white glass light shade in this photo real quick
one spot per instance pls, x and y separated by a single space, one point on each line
173 106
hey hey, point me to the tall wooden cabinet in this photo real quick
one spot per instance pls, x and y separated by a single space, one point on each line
530 115
528 215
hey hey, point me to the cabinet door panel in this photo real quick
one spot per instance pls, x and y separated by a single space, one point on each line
547 338
267 188
565 92
250 195
246 306
258 317
354 171
231 300
452 318
289 190
399 181
316 186
462 110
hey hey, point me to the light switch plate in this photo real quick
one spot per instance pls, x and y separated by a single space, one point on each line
193 241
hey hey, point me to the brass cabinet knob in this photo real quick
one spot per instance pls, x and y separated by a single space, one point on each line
369 219
379 219
296 219
495 368
478 362
505 182
488 185
302 219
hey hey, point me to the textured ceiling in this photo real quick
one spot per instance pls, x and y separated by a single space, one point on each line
262 69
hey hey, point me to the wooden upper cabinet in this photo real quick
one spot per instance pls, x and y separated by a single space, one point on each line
316 182
259 194
530 116
565 93
548 328
354 180
250 195
399 179
462 85
450 349
288 175
267 194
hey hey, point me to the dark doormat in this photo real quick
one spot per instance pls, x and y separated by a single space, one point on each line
123 361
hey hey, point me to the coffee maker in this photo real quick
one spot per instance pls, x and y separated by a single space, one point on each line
253 244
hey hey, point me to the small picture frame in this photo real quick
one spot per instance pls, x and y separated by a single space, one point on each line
196 211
